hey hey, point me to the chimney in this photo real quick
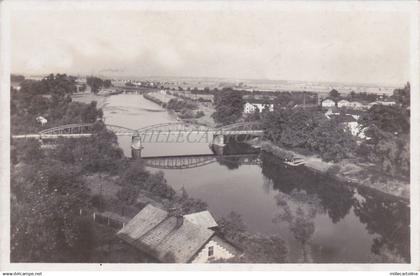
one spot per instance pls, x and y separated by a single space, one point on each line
179 221
177 213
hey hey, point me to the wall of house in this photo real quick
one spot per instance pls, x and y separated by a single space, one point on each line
249 108
219 252
328 103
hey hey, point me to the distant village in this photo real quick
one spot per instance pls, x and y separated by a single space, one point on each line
342 108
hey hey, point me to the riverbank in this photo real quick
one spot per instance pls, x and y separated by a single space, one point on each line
99 98
205 107
346 170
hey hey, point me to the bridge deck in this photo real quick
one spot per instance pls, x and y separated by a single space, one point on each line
146 133
198 155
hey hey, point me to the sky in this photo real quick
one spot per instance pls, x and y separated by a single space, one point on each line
319 45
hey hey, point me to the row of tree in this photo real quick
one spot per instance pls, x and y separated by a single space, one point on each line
53 102
96 84
310 130
400 95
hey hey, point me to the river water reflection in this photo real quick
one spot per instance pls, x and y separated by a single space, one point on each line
320 219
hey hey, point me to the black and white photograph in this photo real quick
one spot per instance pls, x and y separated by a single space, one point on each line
216 133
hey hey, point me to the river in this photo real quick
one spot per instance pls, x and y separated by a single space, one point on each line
320 220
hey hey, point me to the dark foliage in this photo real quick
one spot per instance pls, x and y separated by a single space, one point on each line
50 98
229 106
97 84
307 129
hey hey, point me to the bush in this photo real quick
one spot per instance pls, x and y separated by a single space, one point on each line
277 151
199 114
333 170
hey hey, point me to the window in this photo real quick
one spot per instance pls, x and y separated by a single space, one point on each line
211 251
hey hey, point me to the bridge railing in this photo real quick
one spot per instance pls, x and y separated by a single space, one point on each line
158 128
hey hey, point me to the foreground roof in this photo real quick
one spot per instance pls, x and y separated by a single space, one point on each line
167 238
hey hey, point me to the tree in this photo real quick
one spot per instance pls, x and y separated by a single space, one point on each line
29 151
402 96
82 88
107 83
387 118
334 94
229 106
17 78
90 113
45 200
256 248
95 84
332 142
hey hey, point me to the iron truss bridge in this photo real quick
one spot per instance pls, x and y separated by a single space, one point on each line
85 130
198 160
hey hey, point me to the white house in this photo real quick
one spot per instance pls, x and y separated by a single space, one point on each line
328 103
252 107
41 120
330 113
180 239
343 103
388 103
356 129
355 105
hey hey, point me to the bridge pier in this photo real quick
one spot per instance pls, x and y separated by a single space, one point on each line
218 144
136 146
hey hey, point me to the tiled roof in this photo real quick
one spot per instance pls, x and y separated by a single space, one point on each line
203 218
184 242
143 222
165 237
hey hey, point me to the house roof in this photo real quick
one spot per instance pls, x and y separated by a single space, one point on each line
203 218
162 236
343 101
144 221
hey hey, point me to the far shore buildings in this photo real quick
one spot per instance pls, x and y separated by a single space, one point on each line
41 120
350 104
251 107
181 239
327 103
387 103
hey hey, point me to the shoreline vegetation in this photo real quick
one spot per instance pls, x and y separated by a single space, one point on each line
188 111
344 171
379 159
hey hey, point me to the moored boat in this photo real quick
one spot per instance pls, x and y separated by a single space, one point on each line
295 162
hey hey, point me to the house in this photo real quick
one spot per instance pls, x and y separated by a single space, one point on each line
343 103
356 105
387 103
182 239
41 120
328 103
251 107
356 130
